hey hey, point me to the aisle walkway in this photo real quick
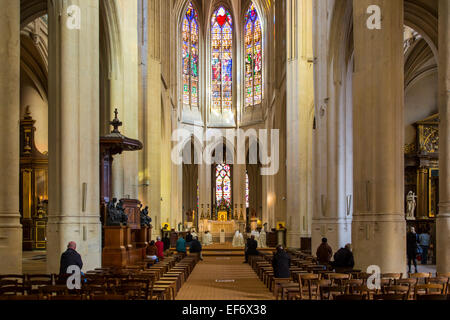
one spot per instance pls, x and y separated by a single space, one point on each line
223 278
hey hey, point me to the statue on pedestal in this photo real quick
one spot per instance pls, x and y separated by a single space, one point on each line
262 239
145 219
116 214
411 205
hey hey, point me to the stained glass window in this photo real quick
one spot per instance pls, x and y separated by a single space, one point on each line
253 57
190 34
221 60
223 183
247 191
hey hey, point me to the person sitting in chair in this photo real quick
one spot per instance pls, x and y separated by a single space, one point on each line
152 251
281 262
343 258
196 248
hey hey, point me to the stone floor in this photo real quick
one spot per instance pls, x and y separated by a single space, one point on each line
223 278
34 262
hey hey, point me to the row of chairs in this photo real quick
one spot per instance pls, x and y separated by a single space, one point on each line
160 281
311 281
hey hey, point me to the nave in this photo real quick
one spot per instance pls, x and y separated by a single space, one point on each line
223 278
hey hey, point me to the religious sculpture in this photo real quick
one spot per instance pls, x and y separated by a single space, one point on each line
238 240
207 238
116 214
411 205
145 219
193 233
262 239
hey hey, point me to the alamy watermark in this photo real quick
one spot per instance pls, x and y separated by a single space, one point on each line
209 147
73 17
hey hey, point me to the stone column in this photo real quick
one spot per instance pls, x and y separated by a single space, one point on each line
443 218
378 228
10 227
74 132
320 44
151 161
238 181
332 141
300 115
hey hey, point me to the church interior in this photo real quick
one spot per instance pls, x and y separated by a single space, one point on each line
293 123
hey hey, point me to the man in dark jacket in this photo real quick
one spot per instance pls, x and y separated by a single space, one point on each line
411 248
343 258
166 242
196 247
281 262
188 238
70 258
324 252
251 248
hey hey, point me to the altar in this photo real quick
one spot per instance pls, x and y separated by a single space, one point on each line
216 226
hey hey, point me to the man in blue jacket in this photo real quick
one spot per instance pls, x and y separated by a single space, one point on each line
181 245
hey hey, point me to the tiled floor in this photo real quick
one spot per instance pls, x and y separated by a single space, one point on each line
223 278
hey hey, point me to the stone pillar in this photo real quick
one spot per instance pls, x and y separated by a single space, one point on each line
300 116
150 164
332 137
74 133
379 228
443 218
238 181
10 227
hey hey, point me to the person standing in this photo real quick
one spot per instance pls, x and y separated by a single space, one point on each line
424 242
160 245
251 249
411 248
324 252
181 245
166 241
281 262
70 258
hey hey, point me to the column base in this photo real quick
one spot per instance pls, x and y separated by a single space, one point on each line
337 231
293 239
87 235
10 244
443 242
379 239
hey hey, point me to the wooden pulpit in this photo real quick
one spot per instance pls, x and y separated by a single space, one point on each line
122 244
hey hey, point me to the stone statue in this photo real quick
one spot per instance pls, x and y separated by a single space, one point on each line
207 238
262 239
121 211
411 205
116 214
145 219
